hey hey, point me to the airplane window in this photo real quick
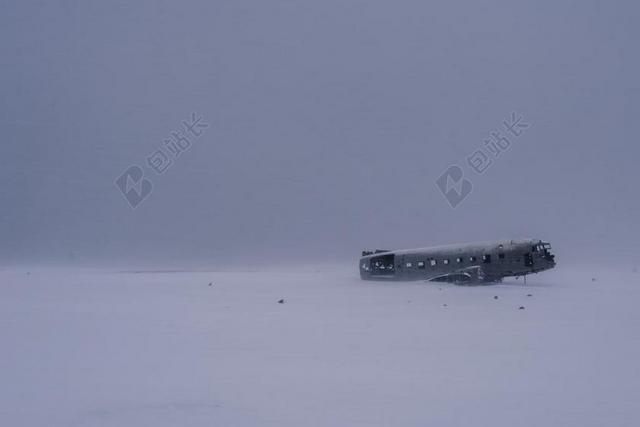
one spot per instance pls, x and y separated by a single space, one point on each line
420 264
445 261
458 260
501 255
409 265
486 258
472 258
433 262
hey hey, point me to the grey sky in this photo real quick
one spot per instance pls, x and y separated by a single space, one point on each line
329 123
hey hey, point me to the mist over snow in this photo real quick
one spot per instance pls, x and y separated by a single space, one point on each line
172 170
104 348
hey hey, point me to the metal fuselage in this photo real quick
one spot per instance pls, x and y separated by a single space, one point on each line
469 262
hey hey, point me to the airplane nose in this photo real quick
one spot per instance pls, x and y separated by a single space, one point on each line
551 260
548 256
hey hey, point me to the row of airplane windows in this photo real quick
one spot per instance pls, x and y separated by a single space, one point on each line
433 262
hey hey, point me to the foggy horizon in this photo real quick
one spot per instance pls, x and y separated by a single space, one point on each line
327 127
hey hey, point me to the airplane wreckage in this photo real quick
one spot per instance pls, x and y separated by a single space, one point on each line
463 263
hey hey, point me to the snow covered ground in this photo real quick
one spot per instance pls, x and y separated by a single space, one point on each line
112 348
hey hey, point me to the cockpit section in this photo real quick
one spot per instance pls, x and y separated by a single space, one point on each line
543 249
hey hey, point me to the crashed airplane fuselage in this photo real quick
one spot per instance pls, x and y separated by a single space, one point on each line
462 263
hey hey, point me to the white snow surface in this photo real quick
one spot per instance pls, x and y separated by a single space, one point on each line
83 347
